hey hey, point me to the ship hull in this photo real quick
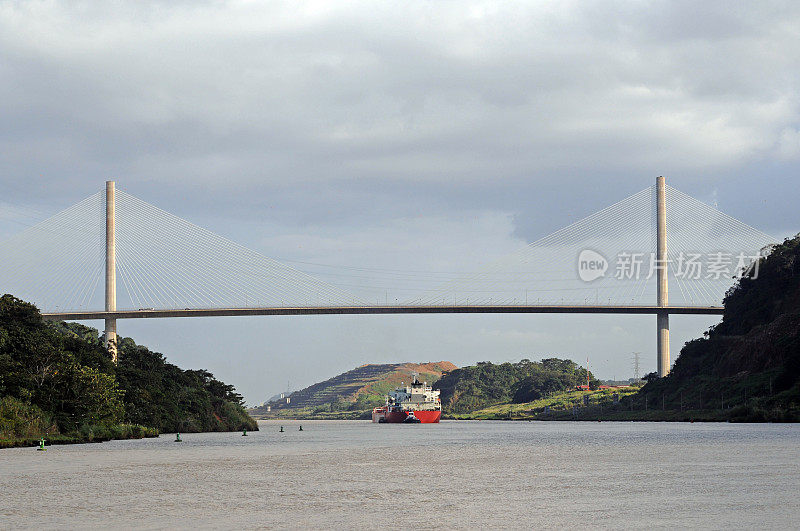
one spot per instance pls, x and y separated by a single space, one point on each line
424 417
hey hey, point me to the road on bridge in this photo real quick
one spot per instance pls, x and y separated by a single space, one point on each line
366 310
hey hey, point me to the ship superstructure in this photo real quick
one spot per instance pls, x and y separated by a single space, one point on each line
414 403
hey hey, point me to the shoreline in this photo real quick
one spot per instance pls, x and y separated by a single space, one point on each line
128 432
94 435
595 414
134 432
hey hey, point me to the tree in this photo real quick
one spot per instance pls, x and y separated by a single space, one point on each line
63 371
83 395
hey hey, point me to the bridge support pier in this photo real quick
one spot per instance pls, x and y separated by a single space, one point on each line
111 271
110 335
662 319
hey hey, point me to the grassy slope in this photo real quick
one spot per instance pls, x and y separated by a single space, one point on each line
601 407
559 404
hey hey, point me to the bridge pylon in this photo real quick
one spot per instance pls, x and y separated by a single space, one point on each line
111 271
662 318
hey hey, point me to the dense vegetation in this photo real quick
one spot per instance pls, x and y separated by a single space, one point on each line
169 398
486 384
57 379
749 364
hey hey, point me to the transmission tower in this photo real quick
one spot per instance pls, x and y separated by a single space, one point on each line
636 375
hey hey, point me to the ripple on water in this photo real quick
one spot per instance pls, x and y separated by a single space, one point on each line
455 474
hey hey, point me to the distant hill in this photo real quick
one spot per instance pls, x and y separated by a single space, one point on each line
487 384
361 388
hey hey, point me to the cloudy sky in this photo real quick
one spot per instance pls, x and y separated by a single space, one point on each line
413 136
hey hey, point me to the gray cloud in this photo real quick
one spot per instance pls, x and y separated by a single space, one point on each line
329 131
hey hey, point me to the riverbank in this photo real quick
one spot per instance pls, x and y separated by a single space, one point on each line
739 414
94 434
627 406
545 408
602 404
505 411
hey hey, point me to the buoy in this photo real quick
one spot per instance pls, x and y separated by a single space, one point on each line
41 446
178 437
281 429
301 427
244 433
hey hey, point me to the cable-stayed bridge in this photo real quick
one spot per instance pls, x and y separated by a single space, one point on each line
113 256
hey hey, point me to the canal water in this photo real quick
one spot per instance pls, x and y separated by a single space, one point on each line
450 475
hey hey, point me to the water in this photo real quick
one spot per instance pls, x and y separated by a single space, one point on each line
454 474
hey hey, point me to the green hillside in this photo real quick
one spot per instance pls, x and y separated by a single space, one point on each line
564 405
748 366
58 381
486 384
359 389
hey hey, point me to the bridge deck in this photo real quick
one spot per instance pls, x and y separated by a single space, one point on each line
358 310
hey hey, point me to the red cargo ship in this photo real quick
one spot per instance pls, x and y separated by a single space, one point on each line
417 403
